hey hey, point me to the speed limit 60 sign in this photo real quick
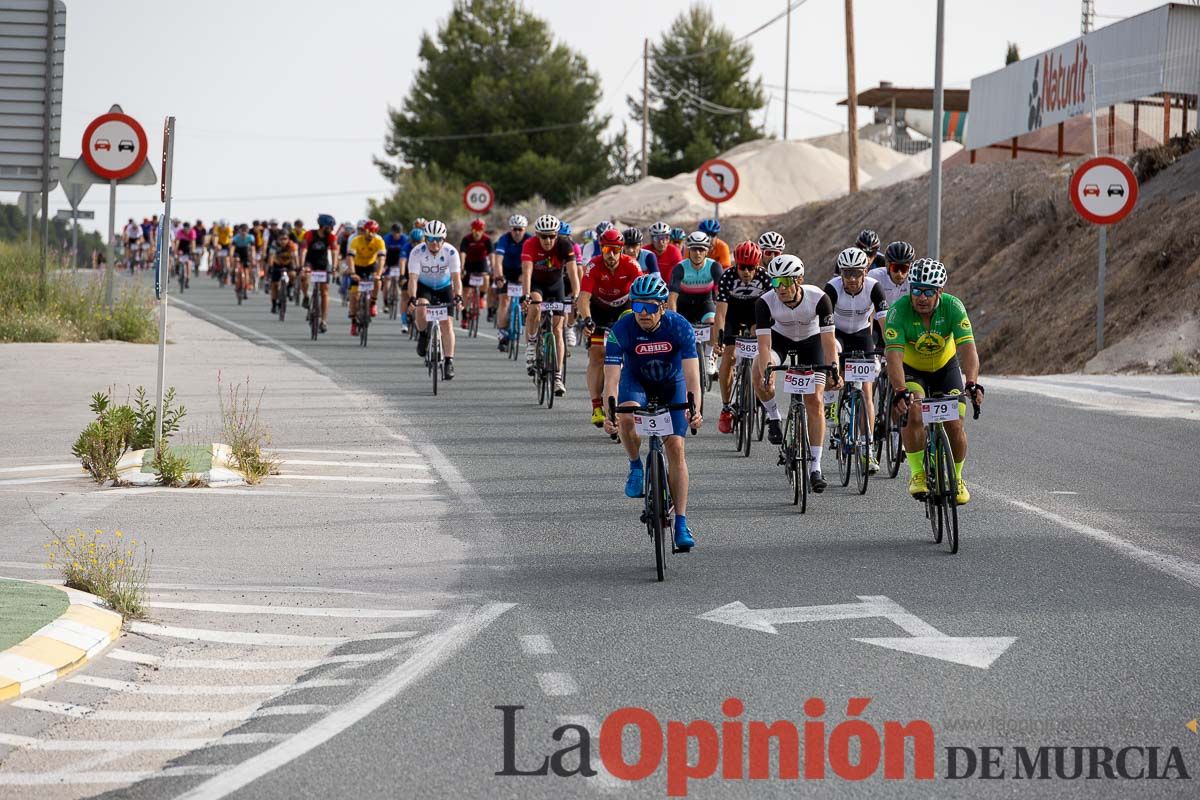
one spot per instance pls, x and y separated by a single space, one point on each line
478 197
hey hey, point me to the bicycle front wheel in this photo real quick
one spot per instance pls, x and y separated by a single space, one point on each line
749 408
656 481
435 355
947 489
843 437
862 448
551 365
805 453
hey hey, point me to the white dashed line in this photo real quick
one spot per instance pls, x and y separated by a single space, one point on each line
298 611
237 715
1064 492
202 690
291 476
537 645
556 684
246 637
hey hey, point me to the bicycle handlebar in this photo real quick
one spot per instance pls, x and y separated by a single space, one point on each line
974 405
812 367
689 406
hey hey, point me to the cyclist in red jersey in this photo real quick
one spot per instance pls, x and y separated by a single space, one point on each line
547 265
665 252
606 282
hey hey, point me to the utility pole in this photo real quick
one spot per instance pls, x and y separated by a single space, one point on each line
851 99
1087 17
645 107
935 164
787 72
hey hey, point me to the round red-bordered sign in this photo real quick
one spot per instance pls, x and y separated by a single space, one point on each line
478 197
1104 190
114 146
717 180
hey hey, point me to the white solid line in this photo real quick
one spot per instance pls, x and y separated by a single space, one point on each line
436 649
240 665
237 715
375 453
364 464
136 745
213 491
292 476
28 481
537 645
299 611
247 637
126 777
196 587
556 684
44 468
1064 492
1181 568
202 690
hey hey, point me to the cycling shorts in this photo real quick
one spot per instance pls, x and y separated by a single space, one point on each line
605 317
947 380
696 309
633 390
435 297
808 351
476 267
513 274
857 341
243 255
553 292
364 272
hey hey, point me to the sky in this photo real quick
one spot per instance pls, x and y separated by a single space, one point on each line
281 104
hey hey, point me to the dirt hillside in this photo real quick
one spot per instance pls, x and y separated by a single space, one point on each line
1021 258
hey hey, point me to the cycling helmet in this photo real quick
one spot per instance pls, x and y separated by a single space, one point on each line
710 226
649 287
697 240
417 235
868 240
323 221
397 228
420 222
611 237
660 229
852 258
546 223
602 226
785 266
274 222
478 225
435 229
772 241
677 234
632 237
287 226
371 226
747 253
900 253
589 235
564 228
927 272
518 221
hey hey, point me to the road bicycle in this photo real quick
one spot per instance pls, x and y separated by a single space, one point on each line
545 364
392 297
285 289
516 322
848 437
183 271
316 308
703 333
653 421
889 450
795 452
749 417
941 496
434 316
363 316
471 304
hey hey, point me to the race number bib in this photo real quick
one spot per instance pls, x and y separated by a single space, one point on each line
437 313
551 306
514 290
939 410
475 280
393 272
703 334
319 277
747 348
366 286
223 252
861 371
798 382
657 425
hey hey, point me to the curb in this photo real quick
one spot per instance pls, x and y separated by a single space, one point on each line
83 631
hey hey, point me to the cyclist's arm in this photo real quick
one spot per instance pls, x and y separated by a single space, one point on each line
526 276
895 369
456 275
828 336
412 285
879 300
968 361
378 265
584 303
572 268
763 320
719 323
691 378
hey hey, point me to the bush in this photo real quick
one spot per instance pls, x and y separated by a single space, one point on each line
171 469
245 432
146 412
109 569
1183 363
103 442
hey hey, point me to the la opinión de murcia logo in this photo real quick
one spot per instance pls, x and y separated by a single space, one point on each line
852 749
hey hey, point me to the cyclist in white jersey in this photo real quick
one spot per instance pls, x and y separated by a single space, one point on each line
435 276
133 242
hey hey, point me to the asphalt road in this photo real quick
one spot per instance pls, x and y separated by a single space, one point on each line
1080 545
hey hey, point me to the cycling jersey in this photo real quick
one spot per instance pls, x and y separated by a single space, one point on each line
397 248
853 312
667 259
510 254
651 357
224 235
185 238
891 291
283 254
695 282
740 298
648 261
610 287
133 231
365 248
475 253
548 265
317 249
927 348
147 230
812 315
243 241
434 271
720 252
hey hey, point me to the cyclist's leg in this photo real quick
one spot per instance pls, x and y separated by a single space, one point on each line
913 433
534 316
630 393
447 327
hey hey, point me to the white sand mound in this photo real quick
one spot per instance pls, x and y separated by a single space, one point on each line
912 166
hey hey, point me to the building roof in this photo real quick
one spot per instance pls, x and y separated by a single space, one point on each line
881 97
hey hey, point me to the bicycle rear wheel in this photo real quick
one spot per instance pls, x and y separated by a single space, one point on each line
749 408
862 449
760 417
656 481
894 446
283 301
435 354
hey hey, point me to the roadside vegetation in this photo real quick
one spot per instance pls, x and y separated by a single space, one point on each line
245 431
109 566
117 429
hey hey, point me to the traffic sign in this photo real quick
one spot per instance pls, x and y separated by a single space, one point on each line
31 88
114 146
478 197
1104 190
67 214
717 180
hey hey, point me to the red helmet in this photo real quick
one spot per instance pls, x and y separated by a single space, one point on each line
477 225
612 236
747 253
371 226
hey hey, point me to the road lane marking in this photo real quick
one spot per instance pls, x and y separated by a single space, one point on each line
236 715
196 587
30 481
45 468
375 453
1053 492
210 492
363 464
241 665
202 690
298 611
556 684
292 476
247 637
136 745
435 650
125 777
537 645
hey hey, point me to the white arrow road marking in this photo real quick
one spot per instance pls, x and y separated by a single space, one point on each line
923 639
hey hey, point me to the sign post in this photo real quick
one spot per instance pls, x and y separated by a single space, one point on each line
162 265
717 181
478 197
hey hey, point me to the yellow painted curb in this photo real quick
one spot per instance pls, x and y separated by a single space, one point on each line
81 633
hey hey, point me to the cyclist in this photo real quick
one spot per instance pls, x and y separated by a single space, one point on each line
772 244
665 253
222 244
794 317
737 292
857 300
603 298
650 355
201 242
893 279
693 285
245 255
633 248
719 250
393 261
546 261
930 350
564 229
678 235
133 243
415 237
366 252
592 249
185 246
435 276
506 268
314 254
476 251
868 242
281 267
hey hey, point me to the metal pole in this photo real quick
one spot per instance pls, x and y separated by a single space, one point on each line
74 238
46 121
645 106
164 255
787 60
851 100
1102 259
935 165
112 226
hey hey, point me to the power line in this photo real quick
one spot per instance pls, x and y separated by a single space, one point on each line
830 92
744 37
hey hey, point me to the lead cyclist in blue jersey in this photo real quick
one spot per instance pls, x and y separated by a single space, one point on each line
650 356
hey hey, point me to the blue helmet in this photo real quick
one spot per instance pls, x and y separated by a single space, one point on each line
564 228
417 235
326 221
677 234
602 226
710 226
649 287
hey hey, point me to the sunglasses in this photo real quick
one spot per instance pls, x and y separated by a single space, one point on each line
769 254
660 238
901 268
640 307
435 239
917 291
783 282
610 248
545 237
747 267
518 229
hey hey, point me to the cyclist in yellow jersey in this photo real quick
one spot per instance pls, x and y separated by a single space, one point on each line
366 251
930 348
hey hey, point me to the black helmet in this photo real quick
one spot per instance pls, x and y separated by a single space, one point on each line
868 240
632 237
900 253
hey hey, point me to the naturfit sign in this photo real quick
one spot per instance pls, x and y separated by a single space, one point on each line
1158 51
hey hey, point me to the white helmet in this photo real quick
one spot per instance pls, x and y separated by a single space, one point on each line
785 266
224 223
546 223
660 229
435 229
771 241
518 221
852 258
927 272
698 239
